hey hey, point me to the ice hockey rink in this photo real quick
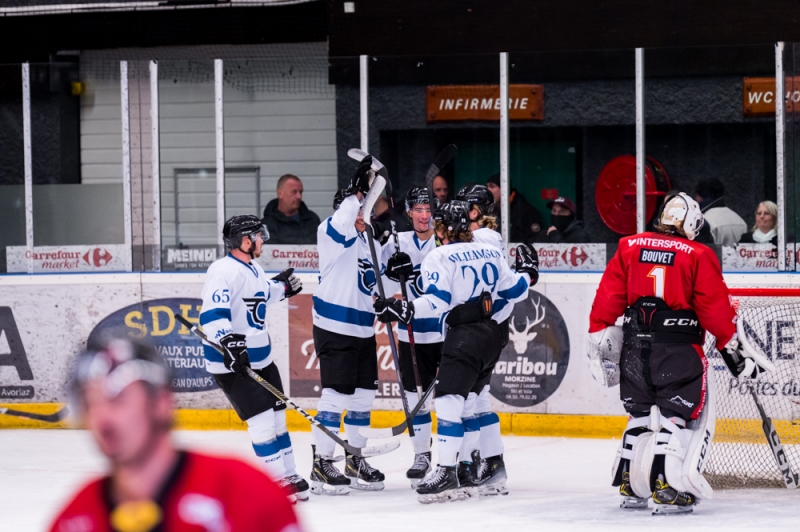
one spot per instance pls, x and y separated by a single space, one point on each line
555 484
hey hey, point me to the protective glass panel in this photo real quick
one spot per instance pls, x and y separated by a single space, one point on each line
12 173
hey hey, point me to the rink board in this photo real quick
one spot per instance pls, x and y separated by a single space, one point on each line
540 387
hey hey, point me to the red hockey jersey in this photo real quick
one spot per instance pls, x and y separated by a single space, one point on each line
685 274
204 493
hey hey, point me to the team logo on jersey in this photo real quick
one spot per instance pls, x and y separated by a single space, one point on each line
366 276
256 310
533 363
415 282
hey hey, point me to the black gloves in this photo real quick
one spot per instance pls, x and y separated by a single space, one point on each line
360 181
739 362
236 358
399 265
381 232
290 281
528 262
391 309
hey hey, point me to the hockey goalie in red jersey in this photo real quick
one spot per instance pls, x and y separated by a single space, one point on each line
669 291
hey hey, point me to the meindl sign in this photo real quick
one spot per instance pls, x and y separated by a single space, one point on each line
759 96
482 102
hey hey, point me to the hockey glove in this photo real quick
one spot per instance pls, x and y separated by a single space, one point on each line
391 309
361 179
603 349
740 362
381 232
399 265
236 358
527 262
290 281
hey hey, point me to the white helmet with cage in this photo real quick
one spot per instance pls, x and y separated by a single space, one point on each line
683 213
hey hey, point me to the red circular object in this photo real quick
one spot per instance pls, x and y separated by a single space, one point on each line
615 193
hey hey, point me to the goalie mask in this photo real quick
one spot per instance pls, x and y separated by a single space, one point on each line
682 213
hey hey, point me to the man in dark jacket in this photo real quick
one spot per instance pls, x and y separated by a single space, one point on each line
525 221
564 227
287 218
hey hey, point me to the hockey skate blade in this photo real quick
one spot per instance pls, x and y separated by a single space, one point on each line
379 434
491 490
445 496
633 503
367 486
318 488
671 509
377 450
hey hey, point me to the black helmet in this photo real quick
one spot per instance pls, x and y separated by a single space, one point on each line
339 197
479 196
243 225
454 215
419 196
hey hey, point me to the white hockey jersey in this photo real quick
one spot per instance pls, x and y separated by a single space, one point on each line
343 300
426 331
235 300
502 308
459 272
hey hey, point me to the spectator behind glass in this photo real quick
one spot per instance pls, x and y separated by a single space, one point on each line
725 225
288 219
440 189
766 228
564 226
524 220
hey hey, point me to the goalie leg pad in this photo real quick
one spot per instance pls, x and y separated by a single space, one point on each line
636 427
642 462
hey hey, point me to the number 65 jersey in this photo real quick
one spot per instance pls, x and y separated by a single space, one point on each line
459 272
685 274
235 300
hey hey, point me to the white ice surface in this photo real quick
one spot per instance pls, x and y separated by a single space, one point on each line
556 484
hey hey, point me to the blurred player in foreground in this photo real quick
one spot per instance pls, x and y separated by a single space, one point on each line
670 290
120 391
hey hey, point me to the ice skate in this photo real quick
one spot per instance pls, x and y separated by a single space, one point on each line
492 477
362 475
291 490
326 479
630 501
467 481
421 467
441 485
300 486
668 500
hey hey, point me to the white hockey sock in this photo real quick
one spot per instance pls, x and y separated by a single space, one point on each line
450 430
472 436
285 443
324 444
261 428
491 443
421 440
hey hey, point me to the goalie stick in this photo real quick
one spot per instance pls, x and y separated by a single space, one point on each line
404 293
364 452
48 418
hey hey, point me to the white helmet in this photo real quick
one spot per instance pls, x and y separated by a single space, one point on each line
682 208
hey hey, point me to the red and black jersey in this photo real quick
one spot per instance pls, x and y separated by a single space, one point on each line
203 493
685 274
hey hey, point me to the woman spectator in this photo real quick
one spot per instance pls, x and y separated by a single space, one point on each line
766 228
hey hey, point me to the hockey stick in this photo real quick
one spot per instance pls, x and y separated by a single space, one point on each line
364 452
48 418
366 211
444 157
371 432
377 166
790 478
404 294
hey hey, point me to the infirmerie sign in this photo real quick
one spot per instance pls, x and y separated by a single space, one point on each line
482 102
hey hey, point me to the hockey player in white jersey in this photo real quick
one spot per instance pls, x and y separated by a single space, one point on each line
344 339
461 279
235 296
414 246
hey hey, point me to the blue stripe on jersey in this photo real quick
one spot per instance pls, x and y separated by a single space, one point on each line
259 354
515 291
267 448
358 419
335 312
448 428
444 295
338 237
212 355
499 305
424 325
215 314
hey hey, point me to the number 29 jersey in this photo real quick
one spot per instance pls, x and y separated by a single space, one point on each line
235 300
685 274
